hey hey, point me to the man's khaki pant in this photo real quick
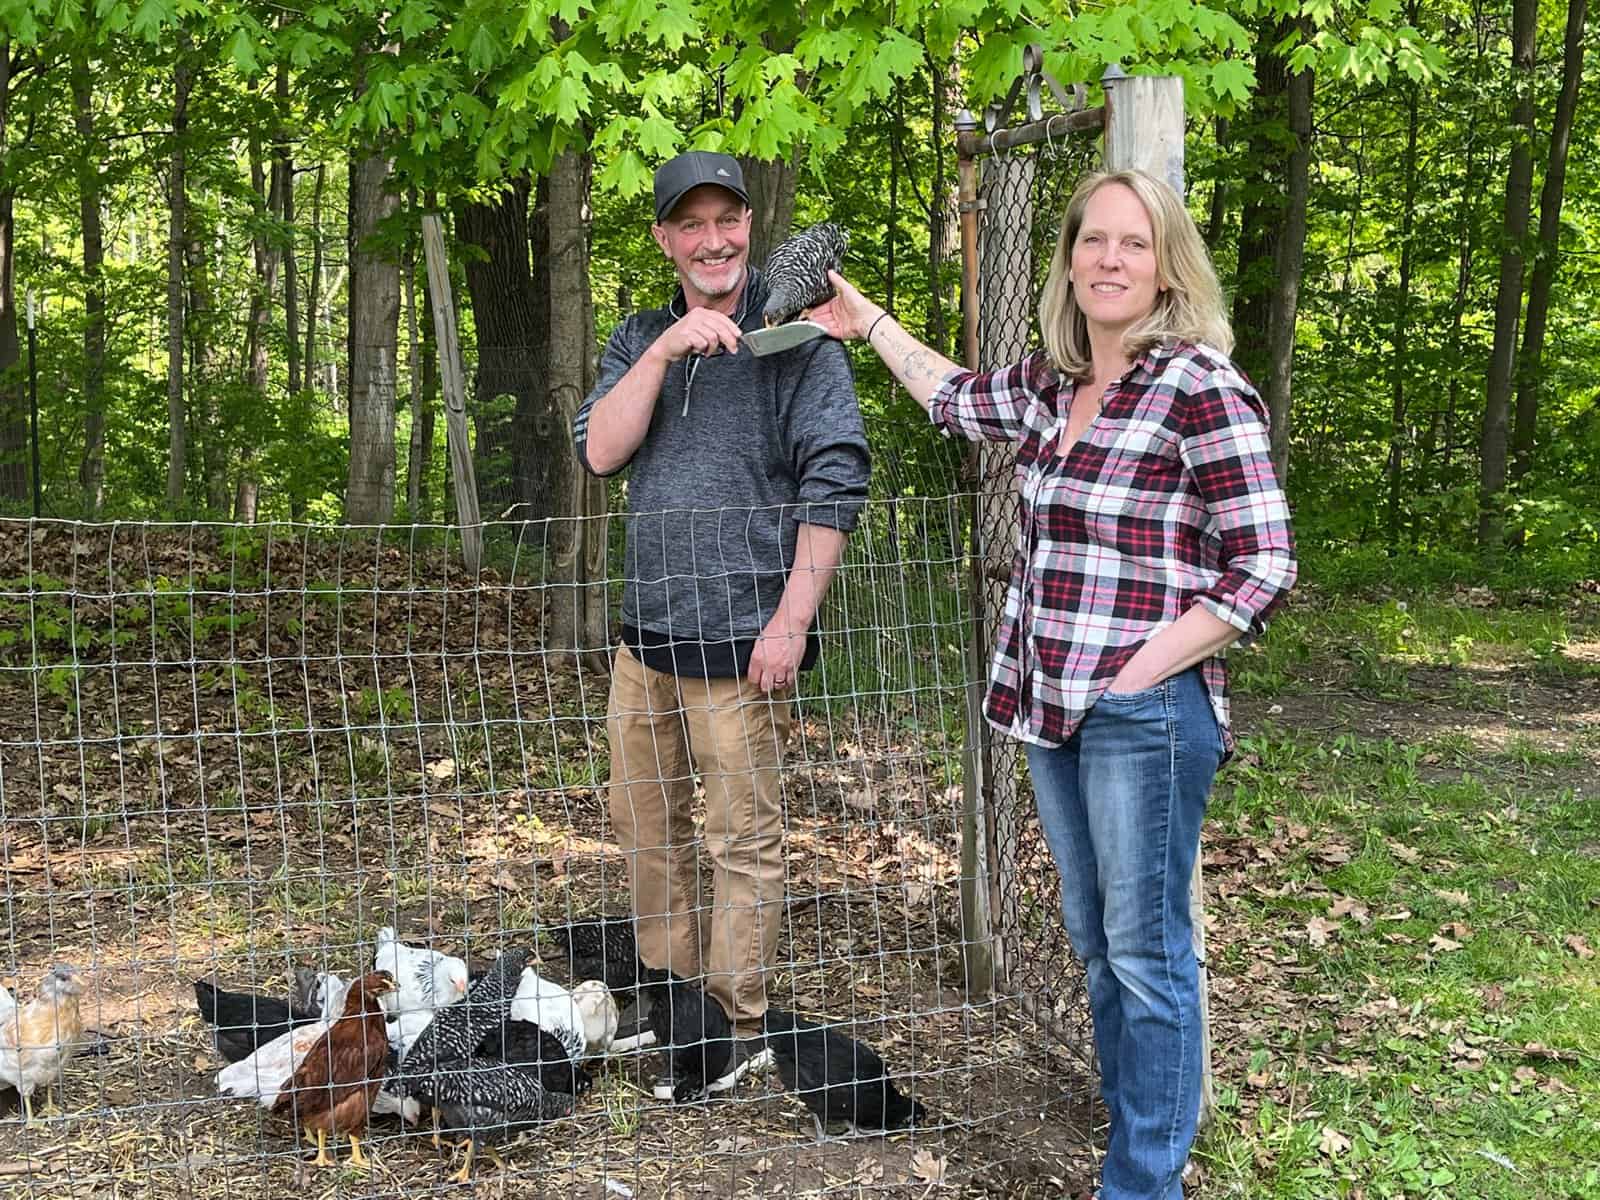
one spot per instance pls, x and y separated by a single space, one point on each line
662 729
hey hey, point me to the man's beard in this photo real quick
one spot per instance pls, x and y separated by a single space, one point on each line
716 289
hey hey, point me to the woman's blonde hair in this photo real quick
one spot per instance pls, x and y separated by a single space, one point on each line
1189 309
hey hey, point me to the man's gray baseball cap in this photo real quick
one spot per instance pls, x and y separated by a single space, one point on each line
677 176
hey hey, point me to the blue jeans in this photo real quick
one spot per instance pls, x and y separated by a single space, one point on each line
1121 805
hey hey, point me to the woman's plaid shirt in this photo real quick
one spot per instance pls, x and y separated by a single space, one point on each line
1168 500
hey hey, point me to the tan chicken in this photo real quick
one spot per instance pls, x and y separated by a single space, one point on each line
37 1038
333 1087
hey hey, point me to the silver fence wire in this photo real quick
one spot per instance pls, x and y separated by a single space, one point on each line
1022 196
232 756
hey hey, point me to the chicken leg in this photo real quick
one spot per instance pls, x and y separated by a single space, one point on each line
357 1159
323 1159
465 1173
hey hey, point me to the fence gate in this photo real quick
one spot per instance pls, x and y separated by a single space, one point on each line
1015 182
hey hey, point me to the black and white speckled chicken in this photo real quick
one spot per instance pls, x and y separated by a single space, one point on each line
605 948
797 271
487 1100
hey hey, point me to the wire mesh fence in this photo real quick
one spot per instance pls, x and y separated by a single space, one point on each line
233 755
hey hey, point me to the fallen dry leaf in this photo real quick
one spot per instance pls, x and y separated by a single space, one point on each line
1404 853
1333 1143
928 1168
1579 945
1442 944
1344 906
1319 929
1459 899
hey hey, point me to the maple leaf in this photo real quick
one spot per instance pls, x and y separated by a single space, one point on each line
1332 1143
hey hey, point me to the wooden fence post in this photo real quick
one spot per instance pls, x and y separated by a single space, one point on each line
1144 130
462 474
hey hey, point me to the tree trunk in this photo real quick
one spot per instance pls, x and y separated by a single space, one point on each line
568 617
1261 218
1508 296
518 439
1530 367
374 314
414 448
1217 215
177 222
283 171
314 284
771 187
1399 365
92 467
265 254
1291 252
201 326
13 403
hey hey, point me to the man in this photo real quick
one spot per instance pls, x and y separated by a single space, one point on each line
746 475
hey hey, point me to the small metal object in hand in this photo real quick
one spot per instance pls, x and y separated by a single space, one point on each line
783 337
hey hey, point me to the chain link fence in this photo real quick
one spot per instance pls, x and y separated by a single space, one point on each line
1023 193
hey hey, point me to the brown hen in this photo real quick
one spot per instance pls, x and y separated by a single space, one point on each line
332 1089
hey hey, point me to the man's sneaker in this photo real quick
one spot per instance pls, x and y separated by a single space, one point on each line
750 1054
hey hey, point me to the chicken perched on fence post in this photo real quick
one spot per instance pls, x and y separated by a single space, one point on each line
797 271
331 1090
37 1038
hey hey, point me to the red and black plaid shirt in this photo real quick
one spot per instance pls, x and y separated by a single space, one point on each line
1168 500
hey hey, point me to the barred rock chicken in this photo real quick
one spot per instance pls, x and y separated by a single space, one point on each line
37 1038
449 1068
488 1100
797 271
837 1077
333 1087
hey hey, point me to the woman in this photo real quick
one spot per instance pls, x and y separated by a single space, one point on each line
1153 536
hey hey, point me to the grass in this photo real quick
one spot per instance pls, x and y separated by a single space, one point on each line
1409 1002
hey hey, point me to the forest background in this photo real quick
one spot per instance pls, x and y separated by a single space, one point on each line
216 210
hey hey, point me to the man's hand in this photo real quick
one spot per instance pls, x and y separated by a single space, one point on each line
775 661
701 331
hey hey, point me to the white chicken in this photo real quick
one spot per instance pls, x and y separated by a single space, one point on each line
37 1038
600 1015
427 978
583 1020
264 1074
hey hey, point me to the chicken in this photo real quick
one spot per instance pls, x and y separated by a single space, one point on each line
426 979
524 1044
487 1100
797 271
694 1030
263 1074
244 1021
837 1077
457 1030
331 1090
37 1038
594 1002
552 1008
603 949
